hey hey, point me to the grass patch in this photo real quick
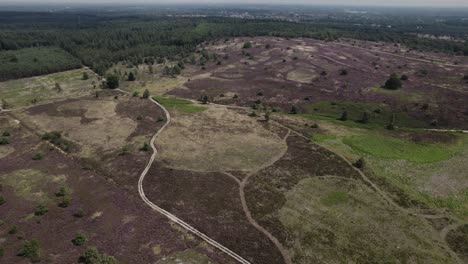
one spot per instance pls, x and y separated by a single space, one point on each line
379 114
42 89
187 256
330 220
31 184
181 105
335 198
322 137
393 148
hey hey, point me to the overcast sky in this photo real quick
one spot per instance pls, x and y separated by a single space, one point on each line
453 3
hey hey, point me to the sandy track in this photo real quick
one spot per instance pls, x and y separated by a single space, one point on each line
166 213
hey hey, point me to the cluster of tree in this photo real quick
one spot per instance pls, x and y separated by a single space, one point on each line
29 62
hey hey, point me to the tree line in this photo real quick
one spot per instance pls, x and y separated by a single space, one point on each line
100 42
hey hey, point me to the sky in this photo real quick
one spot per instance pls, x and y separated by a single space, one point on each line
422 3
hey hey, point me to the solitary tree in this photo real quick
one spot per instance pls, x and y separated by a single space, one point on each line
205 99
58 87
267 116
391 124
176 70
85 76
112 81
393 83
365 118
344 116
293 110
146 94
131 77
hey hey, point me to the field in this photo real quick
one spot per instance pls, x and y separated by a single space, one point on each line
328 78
44 89
282 151
105 214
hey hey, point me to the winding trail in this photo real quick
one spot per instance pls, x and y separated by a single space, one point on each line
382 193
284 252
166 213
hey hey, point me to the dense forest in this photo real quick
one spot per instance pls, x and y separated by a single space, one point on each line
101 41
35 61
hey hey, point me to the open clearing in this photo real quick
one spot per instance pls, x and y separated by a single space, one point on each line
43 89
106 214
217 139
346 220
229 172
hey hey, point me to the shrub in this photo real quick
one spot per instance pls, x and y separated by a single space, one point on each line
131 77
315 125
267 116
364 118
112 81
343 72
465 77
404 77
85 76
247 45
38 156
63 191
55 138
124 151
2 200
204 99
41 210
4 141
13 230
135 94
293 110
92 256
31 250
393 83
65 202
146 147
79 239
6 134
344 116
146 94
79 213
359 163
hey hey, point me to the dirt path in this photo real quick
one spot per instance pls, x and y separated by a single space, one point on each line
242 184
387 198
166 213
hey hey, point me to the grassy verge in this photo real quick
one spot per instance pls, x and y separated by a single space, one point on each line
180 105
378 114
393 148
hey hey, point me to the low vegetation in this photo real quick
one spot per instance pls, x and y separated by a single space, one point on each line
180 105
31 250
93 256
